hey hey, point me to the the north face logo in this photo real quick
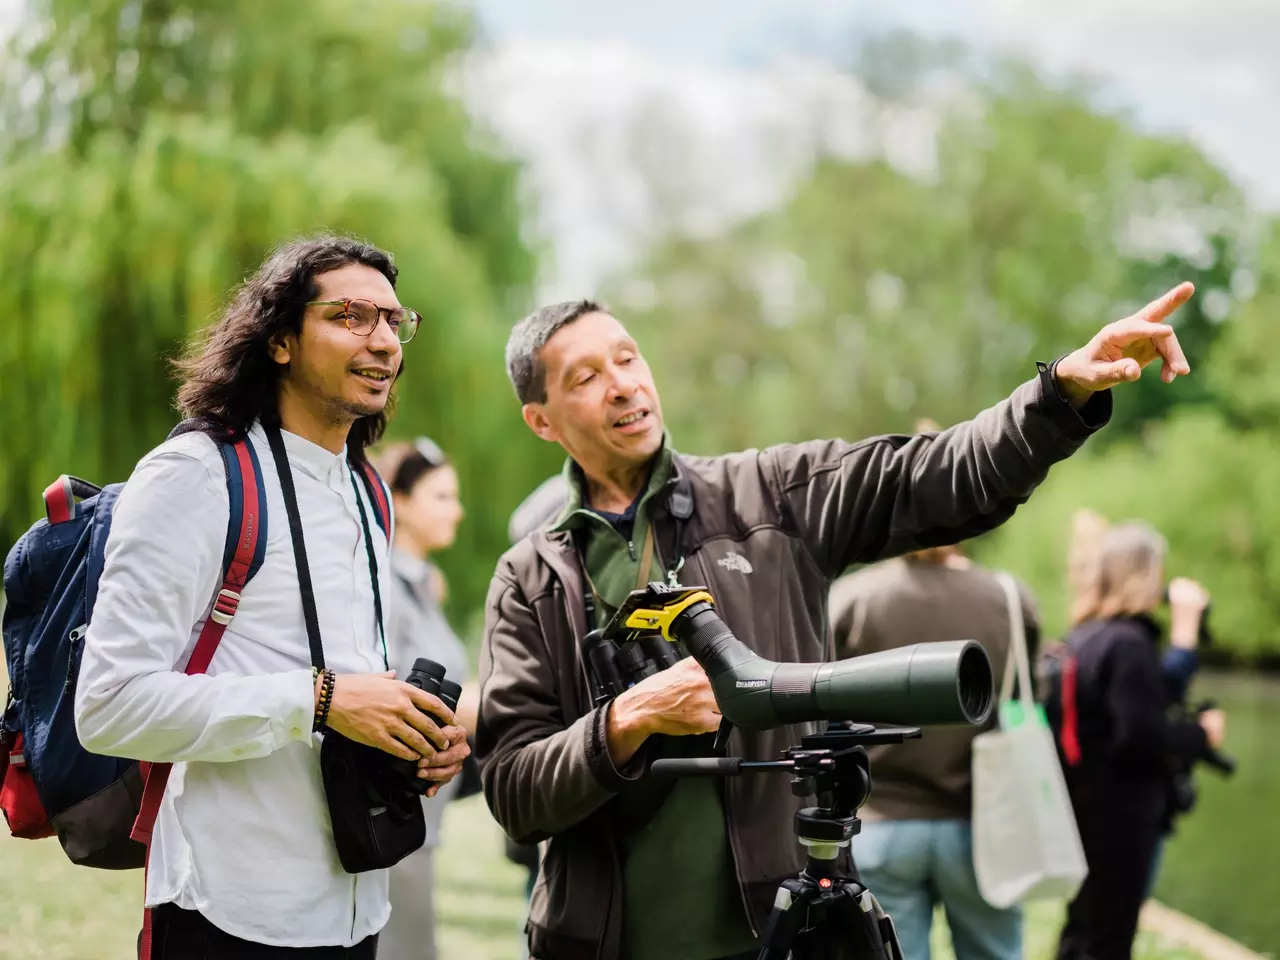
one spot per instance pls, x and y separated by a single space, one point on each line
736 561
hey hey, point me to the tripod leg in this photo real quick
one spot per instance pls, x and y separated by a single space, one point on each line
790 910
867 931
888 932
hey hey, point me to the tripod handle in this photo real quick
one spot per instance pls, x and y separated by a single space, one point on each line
696 767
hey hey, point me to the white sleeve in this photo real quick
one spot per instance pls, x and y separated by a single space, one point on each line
163 565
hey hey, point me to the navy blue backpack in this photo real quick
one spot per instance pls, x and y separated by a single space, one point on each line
52 784
102 809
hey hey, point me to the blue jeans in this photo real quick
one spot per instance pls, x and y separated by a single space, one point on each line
913 865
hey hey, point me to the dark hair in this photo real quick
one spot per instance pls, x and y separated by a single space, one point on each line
524 364
403 464
228 376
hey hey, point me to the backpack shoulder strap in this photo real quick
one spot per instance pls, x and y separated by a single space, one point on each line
242 557
377 492
1069 737
246 542
245 547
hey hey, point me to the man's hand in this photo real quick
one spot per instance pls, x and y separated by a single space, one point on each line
1121 350
377 710
677 701
446 764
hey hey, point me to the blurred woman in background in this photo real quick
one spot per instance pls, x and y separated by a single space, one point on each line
1120 782
424 489
1189 607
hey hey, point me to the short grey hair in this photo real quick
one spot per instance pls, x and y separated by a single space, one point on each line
528 337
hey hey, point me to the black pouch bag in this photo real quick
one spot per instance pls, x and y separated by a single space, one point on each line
375 811
377 820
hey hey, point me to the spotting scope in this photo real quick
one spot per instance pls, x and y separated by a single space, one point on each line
927 683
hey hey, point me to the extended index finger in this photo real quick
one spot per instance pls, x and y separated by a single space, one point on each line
1158 309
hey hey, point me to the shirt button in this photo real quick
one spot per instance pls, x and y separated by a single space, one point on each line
296 731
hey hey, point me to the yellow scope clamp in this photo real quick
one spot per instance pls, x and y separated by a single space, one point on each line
662 618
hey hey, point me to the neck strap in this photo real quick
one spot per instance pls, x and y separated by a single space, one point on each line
305 587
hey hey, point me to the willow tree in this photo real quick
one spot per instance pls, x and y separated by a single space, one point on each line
155 151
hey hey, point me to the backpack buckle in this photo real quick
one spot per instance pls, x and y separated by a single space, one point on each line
224 607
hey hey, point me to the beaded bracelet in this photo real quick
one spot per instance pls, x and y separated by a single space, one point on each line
326 701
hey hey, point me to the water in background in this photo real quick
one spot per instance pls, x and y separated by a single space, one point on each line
1223 863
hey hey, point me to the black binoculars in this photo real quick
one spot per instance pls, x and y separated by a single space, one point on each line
429 676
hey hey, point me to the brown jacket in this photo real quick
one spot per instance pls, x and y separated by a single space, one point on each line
766 531
901 602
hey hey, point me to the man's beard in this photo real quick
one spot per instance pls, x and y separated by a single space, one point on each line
346 412
358 411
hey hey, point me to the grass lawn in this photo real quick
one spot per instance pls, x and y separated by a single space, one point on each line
52 910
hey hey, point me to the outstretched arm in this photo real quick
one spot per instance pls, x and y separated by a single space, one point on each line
860 502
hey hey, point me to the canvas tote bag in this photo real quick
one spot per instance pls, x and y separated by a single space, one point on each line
1026 845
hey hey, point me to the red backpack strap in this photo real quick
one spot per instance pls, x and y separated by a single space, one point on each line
1070 735
247 524
377 494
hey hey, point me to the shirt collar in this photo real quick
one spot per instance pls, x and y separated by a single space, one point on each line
575 508
311 458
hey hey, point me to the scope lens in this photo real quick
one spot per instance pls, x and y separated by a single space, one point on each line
974 679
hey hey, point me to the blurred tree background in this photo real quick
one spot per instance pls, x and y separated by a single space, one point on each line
154 151
873 297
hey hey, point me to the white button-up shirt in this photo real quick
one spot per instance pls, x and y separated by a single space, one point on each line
243 834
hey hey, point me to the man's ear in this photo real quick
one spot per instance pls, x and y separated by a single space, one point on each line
535 415
279 347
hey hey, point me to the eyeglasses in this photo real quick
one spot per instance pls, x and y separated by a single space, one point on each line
362 317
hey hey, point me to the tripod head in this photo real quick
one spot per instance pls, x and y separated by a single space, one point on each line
831 766
823 913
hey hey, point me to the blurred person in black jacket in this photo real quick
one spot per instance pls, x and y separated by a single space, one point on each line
1120 779
1188 603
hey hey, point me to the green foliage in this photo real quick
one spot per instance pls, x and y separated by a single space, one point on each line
891 296
170 148
873 297
154 151
1205 479
1208 490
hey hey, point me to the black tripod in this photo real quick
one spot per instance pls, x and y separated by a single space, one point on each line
823 913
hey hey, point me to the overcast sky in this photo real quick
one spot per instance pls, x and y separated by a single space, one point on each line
562 76
563 81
